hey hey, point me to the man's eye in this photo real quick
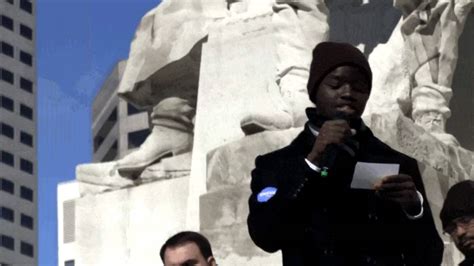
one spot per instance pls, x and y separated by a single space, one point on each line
333 85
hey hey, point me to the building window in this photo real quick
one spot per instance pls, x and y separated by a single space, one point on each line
69 263
6 49
111 153
6 22
131 110
7 242
7 214
26 111
6 75
26 221
105 129
26 5
7 130
69 224
26 166
7 186
26 249
26 139
6 103
26 58
7 158
26 32
26 193
136 138
26 84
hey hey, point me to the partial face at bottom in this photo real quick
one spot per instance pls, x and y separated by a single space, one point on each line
187 255
461 231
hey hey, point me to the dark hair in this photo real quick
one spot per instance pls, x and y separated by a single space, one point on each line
459 202
185 237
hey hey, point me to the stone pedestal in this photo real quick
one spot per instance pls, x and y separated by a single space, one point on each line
128 226
237 64
224 208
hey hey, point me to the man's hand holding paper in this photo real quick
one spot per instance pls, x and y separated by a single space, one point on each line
388 184
401 189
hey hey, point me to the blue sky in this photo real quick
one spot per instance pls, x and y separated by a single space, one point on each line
78 44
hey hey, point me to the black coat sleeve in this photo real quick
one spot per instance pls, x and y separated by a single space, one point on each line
279 222
425 246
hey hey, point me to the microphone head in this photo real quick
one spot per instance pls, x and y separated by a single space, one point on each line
354 123
342 116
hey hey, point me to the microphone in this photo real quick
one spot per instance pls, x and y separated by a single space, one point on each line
332 151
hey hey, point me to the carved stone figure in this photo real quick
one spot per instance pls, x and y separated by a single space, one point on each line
161 74
431 29
295 37
163 69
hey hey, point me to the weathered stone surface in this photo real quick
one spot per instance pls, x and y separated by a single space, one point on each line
94 178
164 42
402 134
127 227
230 165
230 73
224 208
168 168
224 221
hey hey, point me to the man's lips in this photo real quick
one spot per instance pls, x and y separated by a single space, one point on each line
467 242
346 107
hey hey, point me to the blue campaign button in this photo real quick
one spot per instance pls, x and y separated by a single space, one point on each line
266 194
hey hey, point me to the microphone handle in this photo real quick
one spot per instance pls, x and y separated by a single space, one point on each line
329 156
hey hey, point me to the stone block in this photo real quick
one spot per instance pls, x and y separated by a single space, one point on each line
230 73
230 165
224 221
224 208
128 226
167 168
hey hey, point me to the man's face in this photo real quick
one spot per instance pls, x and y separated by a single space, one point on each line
343 92
187 255
462 232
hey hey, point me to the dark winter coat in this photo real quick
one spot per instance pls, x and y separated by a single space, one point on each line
318 220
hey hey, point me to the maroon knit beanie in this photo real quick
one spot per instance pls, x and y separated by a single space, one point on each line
459 202
327 56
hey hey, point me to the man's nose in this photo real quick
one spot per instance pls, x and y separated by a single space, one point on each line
460 230
347 89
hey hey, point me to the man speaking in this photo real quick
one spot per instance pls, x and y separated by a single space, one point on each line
337 195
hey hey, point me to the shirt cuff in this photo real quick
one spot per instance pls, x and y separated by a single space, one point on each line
419 215
312 166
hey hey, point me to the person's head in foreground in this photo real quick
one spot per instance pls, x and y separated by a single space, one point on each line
457 217
187 248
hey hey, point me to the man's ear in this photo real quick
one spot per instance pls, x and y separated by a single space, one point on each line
211 261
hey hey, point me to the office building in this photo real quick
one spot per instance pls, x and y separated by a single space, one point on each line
117 126
67 193
18 141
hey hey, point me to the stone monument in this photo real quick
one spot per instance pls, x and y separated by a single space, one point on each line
225 81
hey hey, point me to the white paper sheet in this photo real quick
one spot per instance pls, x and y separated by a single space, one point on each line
367 174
